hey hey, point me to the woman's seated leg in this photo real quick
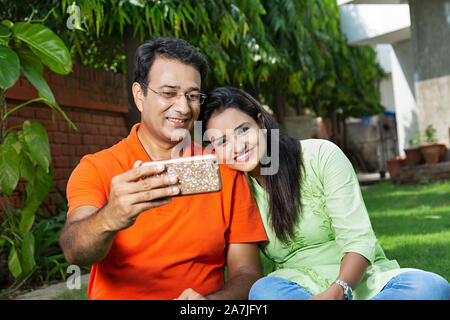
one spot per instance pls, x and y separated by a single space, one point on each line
274 288
415 285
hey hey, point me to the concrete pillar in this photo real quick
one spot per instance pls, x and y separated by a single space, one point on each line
402 65
430 38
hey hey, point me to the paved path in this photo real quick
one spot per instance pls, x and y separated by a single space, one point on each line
50 292
366 179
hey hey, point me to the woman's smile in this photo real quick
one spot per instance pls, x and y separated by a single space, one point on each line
244 157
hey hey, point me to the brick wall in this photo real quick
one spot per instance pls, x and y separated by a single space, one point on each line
94 100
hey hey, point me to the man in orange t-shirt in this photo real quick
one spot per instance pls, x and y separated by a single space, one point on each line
142 243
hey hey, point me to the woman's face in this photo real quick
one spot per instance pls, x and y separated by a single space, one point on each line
237 139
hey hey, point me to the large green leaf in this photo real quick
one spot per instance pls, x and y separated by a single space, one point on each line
33 69
27 169
36 190
4 31
9 67
5 35
12 139
9 168
46 45
14 263
36 139
27 253
26 165
7 23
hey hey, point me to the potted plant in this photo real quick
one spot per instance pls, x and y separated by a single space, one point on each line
432 151
413 155
394 165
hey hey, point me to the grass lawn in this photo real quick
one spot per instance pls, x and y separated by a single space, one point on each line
76 294
412 224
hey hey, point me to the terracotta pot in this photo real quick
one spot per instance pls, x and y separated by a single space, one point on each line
394 165
443 149
413 156
432 152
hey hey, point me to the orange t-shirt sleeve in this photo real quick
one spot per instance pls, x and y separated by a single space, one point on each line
85 187
245 222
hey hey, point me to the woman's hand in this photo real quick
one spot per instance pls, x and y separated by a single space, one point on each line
334 292
353 267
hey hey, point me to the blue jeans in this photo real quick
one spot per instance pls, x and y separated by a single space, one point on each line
411 285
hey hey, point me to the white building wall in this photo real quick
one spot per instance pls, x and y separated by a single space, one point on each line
386 85
387 93
375 23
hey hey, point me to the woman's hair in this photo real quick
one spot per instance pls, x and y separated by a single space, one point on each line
166 47
283 186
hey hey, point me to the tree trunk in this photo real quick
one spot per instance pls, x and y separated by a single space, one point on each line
131 43
316 107
338 129
344 135
298 105
340 141
278 105
334 127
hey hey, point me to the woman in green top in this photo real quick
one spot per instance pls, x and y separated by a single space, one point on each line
321 243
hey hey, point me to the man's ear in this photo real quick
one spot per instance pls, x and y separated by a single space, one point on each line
261 121
138 96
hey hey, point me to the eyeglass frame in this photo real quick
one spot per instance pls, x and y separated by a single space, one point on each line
202 95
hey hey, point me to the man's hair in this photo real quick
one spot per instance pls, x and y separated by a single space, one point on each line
170 48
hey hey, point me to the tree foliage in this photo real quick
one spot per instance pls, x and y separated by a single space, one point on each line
289 53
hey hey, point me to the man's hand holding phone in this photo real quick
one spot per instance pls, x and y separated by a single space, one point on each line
130 194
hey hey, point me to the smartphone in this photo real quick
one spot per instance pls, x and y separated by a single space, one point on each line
198 174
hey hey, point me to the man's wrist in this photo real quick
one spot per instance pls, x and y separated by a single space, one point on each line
107 226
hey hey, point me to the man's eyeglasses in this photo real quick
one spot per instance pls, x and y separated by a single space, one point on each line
170 95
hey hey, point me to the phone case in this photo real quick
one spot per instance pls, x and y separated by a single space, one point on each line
198 174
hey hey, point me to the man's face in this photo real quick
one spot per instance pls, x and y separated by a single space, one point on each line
165 108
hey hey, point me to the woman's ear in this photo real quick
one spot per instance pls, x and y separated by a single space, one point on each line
261 121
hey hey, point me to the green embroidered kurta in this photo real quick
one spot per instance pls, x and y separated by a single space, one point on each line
333 221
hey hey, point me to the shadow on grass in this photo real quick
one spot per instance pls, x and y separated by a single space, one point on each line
386 201
417 224
433 257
